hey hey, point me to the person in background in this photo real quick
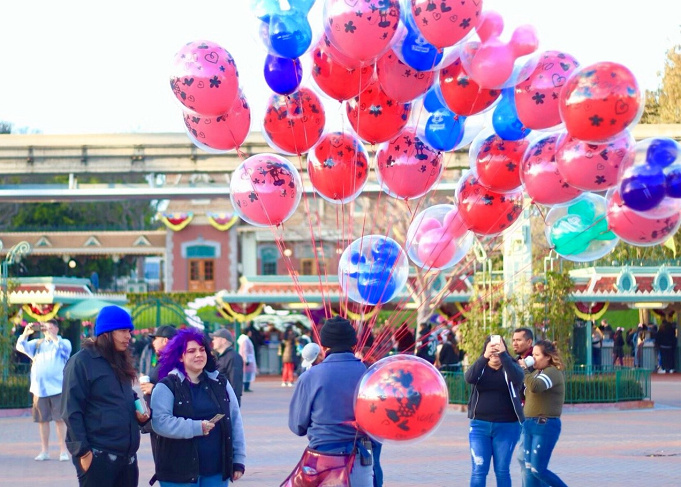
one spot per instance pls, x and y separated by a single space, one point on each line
522 348
404 339
99 405
311 356
288 353
640 339
596 345
618 347
495 411
247 352
229 362
257 338
196 447
544 398
450 356
427 343
666 342
606 329
48 356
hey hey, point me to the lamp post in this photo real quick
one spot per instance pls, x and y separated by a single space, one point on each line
13 255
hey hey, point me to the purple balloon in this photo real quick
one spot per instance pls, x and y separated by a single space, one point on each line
283 75
644 188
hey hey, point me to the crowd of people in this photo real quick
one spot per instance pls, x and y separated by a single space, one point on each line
192 385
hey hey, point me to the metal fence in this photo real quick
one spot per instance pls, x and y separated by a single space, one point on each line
582 385
14 390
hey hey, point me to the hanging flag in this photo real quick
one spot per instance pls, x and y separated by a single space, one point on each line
670 244
176 221
223 220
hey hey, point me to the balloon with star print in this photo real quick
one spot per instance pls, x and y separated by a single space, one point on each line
338 166
592 167
361 29
401 398
536 98
445 22
462 95
375 116
407 167
400 81
540 175
204 78
294 123
265 190
484 211
600 101
497 161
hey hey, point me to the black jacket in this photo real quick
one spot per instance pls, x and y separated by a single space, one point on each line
231 365
513 374
98 409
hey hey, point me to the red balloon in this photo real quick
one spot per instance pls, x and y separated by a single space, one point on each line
540 176
487 212
536 98
497 163
592 167
265 189
294 123
222 133
462 95
407 167
334 78
375 116
600 101
634 228
204 78
447 22
400 81
338 167
401 398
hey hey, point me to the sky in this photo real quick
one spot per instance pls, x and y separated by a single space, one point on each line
75 66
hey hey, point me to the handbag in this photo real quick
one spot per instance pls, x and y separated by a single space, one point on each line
321 469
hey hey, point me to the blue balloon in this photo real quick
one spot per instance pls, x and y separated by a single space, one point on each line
376 285
505 118
444 130
643 188
673 179
432 101
264 9
417 52
662 152
282 75
290 34
303 6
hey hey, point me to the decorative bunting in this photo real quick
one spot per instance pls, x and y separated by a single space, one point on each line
176 221
238 312
222 221
590 312
41 312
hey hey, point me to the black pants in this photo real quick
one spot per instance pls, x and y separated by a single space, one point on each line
108 470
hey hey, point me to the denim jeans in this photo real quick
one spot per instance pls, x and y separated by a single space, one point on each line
541 436
492 441
204 481
108 470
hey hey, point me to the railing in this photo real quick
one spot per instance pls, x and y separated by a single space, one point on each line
14 390
582 385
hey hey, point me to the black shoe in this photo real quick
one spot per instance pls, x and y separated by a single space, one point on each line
248 390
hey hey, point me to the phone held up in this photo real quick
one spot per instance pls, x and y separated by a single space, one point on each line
495 339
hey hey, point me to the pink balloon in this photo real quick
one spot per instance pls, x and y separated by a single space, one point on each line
361 30
222 133
400 81
636 229
592 167
435 248
540 176
536 98
265 189
446 22
429 223
407 167
454 225
204 78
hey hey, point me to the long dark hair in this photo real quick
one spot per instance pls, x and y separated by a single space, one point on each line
121 362
173 351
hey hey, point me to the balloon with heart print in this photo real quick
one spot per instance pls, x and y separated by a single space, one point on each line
484 211
592 167
204 78
407 167
338 166
497 161
222 133
540 176
599 101
400 81
446 22
362 30
634 228
294 123
536 98
334 78
375 116
462 94
265 190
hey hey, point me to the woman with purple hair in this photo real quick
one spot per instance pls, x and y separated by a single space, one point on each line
196 415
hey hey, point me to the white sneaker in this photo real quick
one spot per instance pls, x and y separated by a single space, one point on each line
42 456
660 371
289 384
283 384
64 457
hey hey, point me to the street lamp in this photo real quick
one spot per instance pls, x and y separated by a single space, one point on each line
13 255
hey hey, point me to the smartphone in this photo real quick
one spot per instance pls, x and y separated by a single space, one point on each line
216 418
495 339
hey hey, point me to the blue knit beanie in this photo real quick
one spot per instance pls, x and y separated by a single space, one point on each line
112 318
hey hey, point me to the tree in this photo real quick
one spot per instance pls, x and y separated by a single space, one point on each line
664 104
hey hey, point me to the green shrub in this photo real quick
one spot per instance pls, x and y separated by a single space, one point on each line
601 388
14 392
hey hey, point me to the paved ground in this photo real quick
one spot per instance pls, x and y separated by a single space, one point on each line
597 448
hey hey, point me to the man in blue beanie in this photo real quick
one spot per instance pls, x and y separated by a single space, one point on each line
102 424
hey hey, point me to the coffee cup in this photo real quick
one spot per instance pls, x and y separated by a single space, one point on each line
529 361
144 379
